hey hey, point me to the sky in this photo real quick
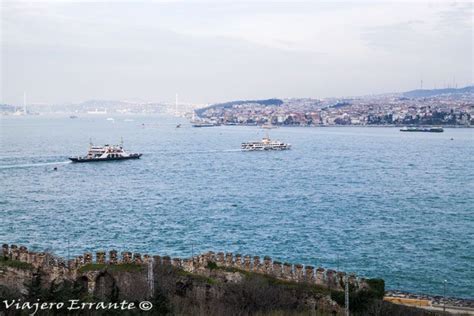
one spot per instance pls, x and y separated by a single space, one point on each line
211 51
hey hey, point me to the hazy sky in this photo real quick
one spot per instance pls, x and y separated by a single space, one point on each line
60 51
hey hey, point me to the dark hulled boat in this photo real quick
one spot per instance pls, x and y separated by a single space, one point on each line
423 129
105 153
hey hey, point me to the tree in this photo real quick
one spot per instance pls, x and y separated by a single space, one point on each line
34 288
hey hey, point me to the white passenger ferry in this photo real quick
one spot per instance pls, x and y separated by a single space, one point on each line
105 153
265 144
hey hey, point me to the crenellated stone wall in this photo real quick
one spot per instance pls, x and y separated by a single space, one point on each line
286 271
198 264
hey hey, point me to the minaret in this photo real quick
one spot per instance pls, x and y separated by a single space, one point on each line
176 105
24 103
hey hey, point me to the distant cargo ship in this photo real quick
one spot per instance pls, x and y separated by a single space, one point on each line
105 153
265 144
269 126
422 129
203 124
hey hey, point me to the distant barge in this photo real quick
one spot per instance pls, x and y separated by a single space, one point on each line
203 124
423 129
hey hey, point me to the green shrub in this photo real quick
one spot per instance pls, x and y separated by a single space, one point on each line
6 262
360 301
92 267
211 265
377 287
123 267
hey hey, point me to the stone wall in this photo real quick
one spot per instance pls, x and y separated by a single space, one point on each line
283 271
198 264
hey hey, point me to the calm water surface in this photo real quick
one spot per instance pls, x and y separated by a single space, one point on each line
370 200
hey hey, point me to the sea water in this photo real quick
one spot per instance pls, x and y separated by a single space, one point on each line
368 200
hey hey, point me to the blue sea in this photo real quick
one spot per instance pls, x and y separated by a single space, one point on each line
373 201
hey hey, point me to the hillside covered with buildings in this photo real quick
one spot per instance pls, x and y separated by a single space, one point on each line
418 107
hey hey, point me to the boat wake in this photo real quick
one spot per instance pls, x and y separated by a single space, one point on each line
40 164
199 152
212 151
30 165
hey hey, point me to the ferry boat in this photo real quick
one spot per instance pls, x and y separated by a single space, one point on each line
265 144
105 153
422 129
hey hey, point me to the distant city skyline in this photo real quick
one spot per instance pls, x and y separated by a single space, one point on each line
210 52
